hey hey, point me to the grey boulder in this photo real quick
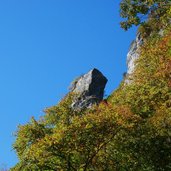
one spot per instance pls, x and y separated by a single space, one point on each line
89 89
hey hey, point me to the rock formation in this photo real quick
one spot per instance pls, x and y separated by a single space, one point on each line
89 89
132 56
133 53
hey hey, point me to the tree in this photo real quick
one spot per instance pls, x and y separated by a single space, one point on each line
137 11
80 144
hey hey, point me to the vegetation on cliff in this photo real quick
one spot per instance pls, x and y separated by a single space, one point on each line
130 130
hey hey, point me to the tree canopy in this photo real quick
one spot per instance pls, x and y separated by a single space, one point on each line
137 12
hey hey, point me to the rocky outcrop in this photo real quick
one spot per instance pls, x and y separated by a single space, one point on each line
133 53
89 89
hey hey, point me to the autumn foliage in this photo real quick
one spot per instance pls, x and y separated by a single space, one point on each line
130 130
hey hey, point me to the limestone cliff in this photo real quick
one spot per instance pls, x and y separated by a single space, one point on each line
133 53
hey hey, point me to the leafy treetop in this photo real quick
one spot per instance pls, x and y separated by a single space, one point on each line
136 12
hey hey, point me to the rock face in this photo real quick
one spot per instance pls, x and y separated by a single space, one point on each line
133 53
89 89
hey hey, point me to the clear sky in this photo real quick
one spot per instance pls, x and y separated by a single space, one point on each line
44 45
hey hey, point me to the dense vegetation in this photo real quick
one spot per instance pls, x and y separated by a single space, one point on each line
136 12
130 130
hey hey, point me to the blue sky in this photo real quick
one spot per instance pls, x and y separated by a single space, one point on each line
44 45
